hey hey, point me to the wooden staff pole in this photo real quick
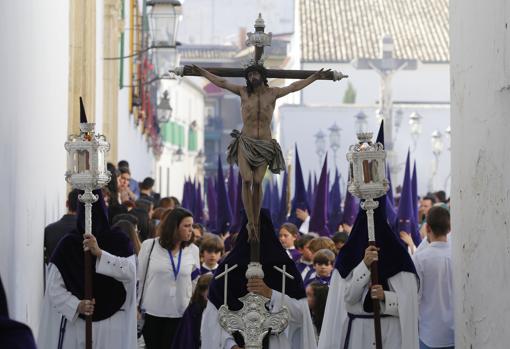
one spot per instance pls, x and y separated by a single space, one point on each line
374 276
88 276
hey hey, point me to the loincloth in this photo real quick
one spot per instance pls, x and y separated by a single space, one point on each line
258 152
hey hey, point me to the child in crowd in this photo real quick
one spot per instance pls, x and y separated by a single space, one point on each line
188 333
434 266
320 243
323 261
288 235
304 264
198 231
340 238
317 294
211 251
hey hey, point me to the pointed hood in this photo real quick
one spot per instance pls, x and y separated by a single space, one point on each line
275 205
187 193
351 208
319 217
300 200
224 211
314 191
198 212
390 206
236 212
83 115
391 211
335 209
211 204
282 211
232 187
405 214
414 186
309 189
266 201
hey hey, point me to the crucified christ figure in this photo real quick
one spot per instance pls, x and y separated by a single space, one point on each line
253 149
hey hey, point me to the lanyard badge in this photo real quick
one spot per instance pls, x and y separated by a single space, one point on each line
176 270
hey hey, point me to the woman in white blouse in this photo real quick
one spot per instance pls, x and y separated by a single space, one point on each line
166 264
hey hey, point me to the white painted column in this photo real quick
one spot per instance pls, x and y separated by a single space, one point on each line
480 106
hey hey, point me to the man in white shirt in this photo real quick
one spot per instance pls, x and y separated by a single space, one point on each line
434 267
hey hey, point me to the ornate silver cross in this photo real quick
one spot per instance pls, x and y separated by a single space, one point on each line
254 320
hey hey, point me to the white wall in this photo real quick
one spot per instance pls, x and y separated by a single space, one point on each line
299 124
428 84
33 129
132 144
480 80
188 102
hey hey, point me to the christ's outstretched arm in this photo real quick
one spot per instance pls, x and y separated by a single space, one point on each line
218 81
299 85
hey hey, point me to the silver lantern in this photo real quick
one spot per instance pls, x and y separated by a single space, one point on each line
367 175
86 164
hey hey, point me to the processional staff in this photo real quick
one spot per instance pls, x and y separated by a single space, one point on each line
367 164
86 170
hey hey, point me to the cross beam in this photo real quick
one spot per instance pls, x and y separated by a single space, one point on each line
271 73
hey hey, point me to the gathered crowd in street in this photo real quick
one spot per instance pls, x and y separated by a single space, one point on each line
156 257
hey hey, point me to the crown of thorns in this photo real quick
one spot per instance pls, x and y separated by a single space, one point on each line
255 67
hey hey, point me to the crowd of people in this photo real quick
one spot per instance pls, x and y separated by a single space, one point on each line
153 270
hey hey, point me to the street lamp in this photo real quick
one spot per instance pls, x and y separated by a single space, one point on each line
361 122
178 154
415 125
200 158
437 149
163 22
334 139
448 133
164 109
379 115
399 115
437 143
320 145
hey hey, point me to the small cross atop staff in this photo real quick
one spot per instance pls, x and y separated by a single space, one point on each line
284 275
225 273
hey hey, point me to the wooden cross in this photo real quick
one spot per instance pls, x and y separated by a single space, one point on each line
259 39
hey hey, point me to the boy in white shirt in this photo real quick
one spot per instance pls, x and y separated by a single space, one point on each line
434 267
